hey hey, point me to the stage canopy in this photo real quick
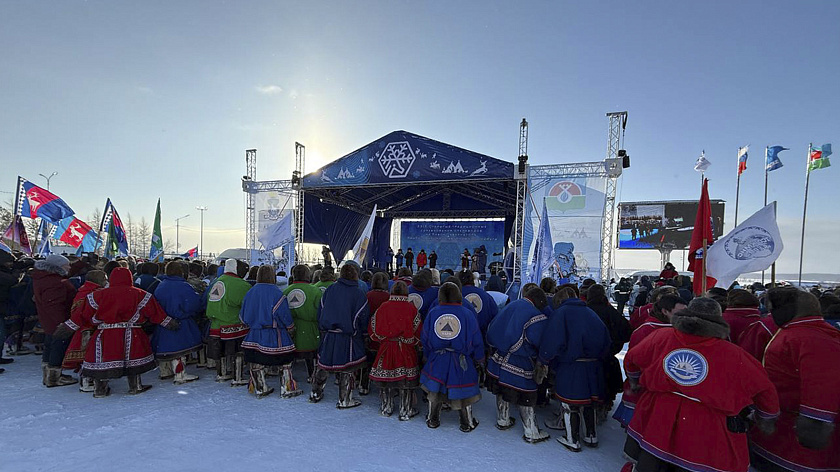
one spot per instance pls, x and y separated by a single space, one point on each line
406 176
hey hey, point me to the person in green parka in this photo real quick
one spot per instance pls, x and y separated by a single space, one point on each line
326 278
304 300
224 302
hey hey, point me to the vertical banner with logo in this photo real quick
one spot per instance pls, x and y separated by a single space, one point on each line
271 206
575 208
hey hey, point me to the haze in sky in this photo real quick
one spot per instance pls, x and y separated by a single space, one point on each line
140 100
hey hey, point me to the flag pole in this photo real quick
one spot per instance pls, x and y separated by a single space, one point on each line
805 210
738 188
705 243
766 150
17 197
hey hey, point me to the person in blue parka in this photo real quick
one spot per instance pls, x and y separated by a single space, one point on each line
343 318
178 299
453 346
574 344
269 341
515 337
421 292
484 304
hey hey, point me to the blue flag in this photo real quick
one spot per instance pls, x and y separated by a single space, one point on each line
543 250
772 161
37 202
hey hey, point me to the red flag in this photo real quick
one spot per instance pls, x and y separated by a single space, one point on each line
702 230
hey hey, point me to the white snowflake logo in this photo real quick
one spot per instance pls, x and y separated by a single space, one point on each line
396 160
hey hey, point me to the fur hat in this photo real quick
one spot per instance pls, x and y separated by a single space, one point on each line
58 261
230 266
54 263
702 317
435 277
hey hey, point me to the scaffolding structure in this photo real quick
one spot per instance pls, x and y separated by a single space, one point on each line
614 164
521 178
250 215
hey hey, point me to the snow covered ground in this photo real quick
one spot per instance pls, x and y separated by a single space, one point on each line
209 426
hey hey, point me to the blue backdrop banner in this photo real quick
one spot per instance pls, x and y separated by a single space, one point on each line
450 238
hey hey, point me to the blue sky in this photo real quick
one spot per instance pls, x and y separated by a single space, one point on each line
139 100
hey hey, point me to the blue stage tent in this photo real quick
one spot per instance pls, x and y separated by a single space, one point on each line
406 176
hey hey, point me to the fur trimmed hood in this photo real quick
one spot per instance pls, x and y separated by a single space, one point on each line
702 317
52 265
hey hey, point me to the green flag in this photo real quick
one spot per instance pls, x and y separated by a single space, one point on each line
818 157
111 249
156 251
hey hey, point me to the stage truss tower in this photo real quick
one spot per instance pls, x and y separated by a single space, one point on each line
250 215
521 177
618 123
297 184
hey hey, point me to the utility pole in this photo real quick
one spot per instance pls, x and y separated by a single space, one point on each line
202 209
177 229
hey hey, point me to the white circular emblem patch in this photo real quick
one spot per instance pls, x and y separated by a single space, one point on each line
217 292
323 289
416 299
475 299
448 327
686 367
296 298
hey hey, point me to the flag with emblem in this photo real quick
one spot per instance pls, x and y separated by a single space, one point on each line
361 247
818 157
37 202
156 250
543 250
771 157
702 164
16 233
76 233
111 224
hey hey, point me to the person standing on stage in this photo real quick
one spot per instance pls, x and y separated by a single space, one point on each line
400 257
325 251
421 259
409 259
465 259
389 266
432 259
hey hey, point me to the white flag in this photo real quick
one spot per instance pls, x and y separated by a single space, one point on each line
277 234
752 246
702 163
361 246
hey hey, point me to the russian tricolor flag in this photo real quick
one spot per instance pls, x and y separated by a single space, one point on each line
742 159
191 254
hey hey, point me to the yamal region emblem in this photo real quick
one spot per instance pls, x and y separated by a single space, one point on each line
448 327
416 299
566 195
687 367
296 298
752 242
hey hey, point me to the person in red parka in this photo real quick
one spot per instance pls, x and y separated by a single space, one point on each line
741 311
802 362
697 385
669 272
640 316
75 355
376 296
53 295
119 347
757 335
395 326
422 259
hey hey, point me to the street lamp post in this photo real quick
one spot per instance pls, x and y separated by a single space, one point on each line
177 233
202 209
48 178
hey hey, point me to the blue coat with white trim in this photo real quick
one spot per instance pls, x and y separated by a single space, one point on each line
266 312
575 343
484 305
428 297
452 344
515 334
179 301
343 317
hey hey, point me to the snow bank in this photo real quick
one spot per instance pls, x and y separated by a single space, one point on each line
209 426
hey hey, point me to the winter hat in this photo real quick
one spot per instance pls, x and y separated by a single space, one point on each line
230 266
58 260
702 317
435 277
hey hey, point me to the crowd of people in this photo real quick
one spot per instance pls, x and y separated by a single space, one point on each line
716 382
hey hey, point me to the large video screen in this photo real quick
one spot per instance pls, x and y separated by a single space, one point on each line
450 238
662 225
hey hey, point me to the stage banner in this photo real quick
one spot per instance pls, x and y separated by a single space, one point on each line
575 208
270 207
449 239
